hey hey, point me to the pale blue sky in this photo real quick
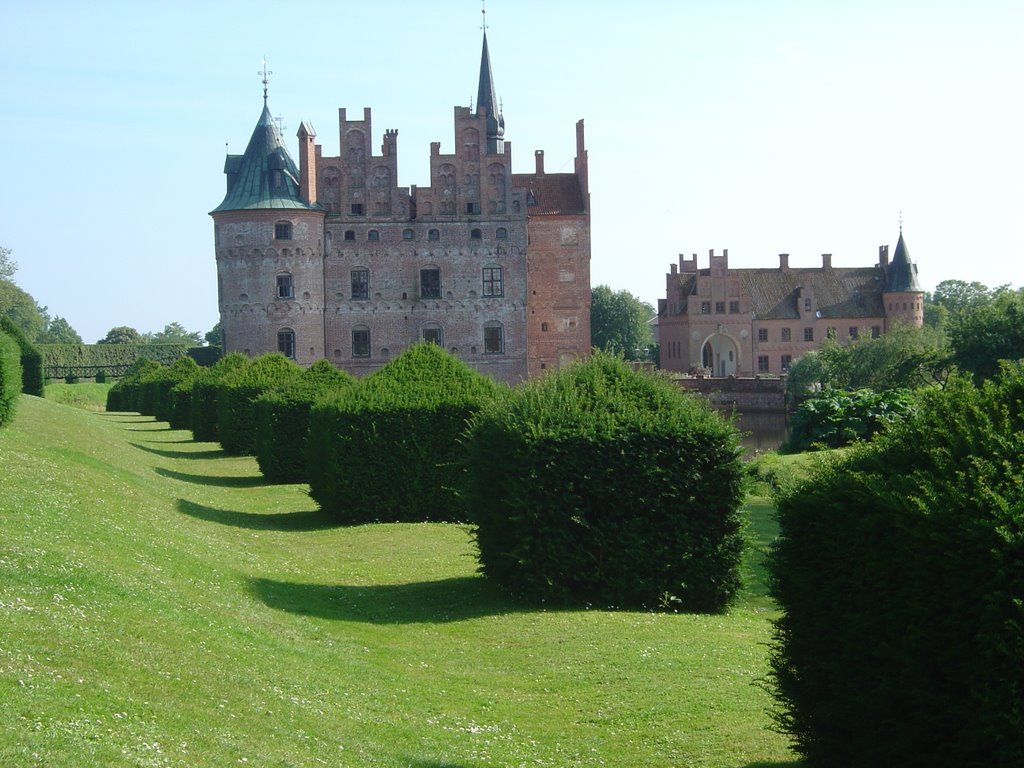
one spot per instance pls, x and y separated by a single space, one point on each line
761 127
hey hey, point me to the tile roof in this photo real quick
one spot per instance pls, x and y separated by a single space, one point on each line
550 193
250 176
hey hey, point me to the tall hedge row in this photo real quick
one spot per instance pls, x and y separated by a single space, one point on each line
602 485
900 572
30 358
10 377
204 395
282 420
389 448
87 360
126 394
236 399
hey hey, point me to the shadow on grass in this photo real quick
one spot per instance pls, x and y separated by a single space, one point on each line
429 602
419 763
277 521
215 454
218 480
794 763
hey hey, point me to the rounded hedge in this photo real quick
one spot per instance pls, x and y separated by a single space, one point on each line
205 389
126 394
236 399
900 572
10 377
31 359
602 485
388 450
282 420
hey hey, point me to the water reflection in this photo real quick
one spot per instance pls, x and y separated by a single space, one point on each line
762 430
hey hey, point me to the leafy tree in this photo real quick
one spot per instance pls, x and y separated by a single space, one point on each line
174 333
59 331
7 266
215 336
619 323
988 333
958 296
22 309
121 334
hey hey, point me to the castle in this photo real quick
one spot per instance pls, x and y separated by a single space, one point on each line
722 322
332 259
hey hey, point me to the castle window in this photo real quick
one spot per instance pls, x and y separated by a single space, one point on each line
808 334
501 233
408 234
373 235
432 335
762 334
285 288
360 341
762 363
350 234
787 334
430 283
433 235
544 327
283 230
719 307
286 342
787 360
853 332
876 331
493 282
494 339
705 307
360 283
472 208
475 234
357 209
734 307
807 305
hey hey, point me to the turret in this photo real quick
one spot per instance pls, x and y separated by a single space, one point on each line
902 297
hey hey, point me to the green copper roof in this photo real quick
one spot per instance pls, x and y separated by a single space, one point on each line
265 176
902 273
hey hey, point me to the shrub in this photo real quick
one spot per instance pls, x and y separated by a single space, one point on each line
31 360
282 420
204 395
125 395
236 399
836 418
156 390
900 571
602 485
10 377
388 449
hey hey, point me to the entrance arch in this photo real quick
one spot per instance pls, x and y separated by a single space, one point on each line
720 355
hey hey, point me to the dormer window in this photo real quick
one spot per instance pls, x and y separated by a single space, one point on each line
283 230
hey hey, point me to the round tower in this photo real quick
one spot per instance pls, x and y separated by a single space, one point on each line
902 298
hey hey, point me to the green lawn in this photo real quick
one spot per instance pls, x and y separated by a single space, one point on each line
161 606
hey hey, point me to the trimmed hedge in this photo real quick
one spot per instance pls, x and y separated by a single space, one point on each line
282 420
236 399
156 391
31 360
204 395
126 394
10 377
900 571
88 360
602 485
388 449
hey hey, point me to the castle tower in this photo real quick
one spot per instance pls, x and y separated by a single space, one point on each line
902 297
268 235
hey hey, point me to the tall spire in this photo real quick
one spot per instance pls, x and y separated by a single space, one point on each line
487 100
902 272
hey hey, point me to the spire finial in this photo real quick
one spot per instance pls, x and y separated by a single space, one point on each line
901 221
483 11
266 78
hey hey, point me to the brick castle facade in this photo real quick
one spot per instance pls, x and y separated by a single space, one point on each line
331 258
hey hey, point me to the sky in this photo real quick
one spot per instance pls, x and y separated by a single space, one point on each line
776 126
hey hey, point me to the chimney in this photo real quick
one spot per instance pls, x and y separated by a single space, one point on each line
783 261
826 261
883 256
307 162
538 157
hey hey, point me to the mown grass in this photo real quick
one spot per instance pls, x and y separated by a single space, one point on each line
162 606
87 395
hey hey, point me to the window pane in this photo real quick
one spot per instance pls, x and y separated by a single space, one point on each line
492 282
286 343
430 283
432 336
360 284
493 342
360 342
284 286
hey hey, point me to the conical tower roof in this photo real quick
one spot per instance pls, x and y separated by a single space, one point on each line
265 176
487 99
902 274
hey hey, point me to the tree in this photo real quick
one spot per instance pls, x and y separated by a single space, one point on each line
959 296
215 336
59 331
988 333
174 333
22 309
7 266
619 322
121 334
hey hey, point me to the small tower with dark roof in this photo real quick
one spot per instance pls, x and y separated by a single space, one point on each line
268 234
902 298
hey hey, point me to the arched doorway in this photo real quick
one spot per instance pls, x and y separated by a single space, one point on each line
720 355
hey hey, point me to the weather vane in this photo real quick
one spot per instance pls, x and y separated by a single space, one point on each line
483 11
266 75
901 221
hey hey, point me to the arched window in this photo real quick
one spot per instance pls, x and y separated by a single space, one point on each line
373 235
494 338
475 234
283 230
285 288
286 342
433 235
408 234
501 233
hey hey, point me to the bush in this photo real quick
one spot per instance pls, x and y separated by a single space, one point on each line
204 395
31 361
10 377
282 421
900 571
126 394
236 399
156 391
836 418
388 449
602 485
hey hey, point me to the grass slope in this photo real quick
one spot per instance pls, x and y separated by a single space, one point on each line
161 606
